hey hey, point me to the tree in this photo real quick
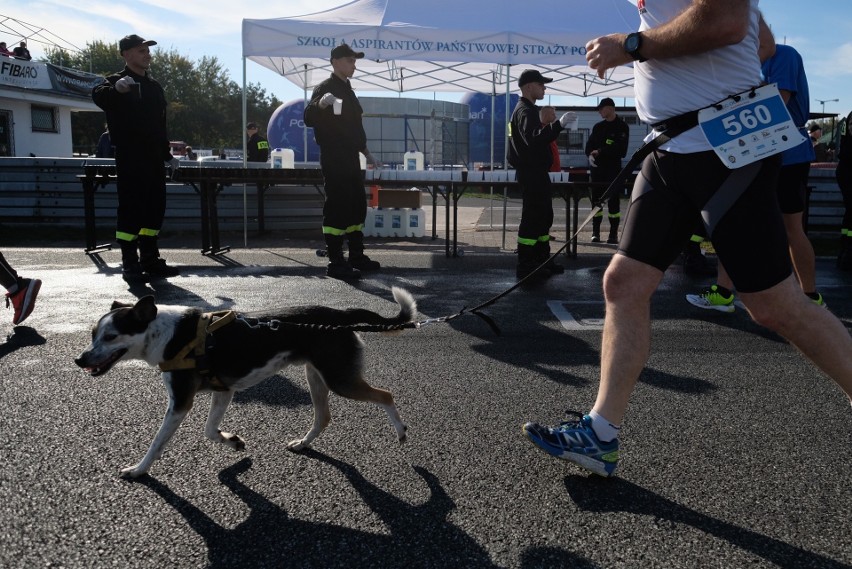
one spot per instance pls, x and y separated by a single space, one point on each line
205 105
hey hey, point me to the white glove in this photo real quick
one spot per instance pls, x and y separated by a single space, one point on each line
326 100
567 118
372 160
173 164
592 160
123 84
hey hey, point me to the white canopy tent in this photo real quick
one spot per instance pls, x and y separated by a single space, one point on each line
447 45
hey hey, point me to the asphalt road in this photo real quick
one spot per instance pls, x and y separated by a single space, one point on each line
735 450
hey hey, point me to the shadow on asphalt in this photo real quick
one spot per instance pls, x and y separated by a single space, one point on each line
604 495
20 337
420 535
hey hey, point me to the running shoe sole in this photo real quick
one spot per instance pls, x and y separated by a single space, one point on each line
29 300
701 302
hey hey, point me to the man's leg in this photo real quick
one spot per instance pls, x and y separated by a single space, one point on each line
815 331
628 286
801 252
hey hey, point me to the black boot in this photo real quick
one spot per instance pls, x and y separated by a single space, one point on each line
695 263
338 268
596 229
357 258
844 259
149 258
613 231
543 256
131 270
528 261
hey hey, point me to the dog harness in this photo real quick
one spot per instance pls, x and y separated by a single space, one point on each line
192 355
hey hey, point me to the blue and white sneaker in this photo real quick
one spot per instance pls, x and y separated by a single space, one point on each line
576 442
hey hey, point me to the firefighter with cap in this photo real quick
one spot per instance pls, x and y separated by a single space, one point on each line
135 106
257 145
335 115
606 146
529 152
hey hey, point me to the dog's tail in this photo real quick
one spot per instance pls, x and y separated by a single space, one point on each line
407 305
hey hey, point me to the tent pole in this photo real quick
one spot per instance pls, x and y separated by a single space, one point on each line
493 121
245 157
305 106
506 146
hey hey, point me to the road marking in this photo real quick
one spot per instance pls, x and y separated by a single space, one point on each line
569 321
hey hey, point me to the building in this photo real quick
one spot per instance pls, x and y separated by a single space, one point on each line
36 102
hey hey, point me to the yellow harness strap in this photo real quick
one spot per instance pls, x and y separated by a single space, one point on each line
188 356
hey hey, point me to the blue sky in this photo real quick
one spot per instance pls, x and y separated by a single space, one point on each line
820 29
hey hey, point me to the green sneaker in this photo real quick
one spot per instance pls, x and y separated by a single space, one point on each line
817 299
715 298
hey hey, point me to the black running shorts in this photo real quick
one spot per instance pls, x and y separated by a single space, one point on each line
743 219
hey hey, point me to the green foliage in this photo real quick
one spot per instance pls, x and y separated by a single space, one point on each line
205 105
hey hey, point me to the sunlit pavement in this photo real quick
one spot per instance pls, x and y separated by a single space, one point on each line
735 450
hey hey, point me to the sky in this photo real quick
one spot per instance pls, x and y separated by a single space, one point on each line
821 30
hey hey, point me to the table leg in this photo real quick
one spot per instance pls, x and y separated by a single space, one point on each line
90 186
576 218
447 200
215 246
261 192
204 189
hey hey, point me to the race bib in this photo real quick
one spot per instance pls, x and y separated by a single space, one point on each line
749 126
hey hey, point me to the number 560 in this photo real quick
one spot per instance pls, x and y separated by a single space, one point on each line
748 118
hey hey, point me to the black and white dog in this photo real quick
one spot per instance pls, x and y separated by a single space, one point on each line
225 352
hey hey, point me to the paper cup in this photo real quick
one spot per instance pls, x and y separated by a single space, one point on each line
338 106
574 124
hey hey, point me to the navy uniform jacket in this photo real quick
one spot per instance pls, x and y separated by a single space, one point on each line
135 123
258 149
610 139
529 141
342 134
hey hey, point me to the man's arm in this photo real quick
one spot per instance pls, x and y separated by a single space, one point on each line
704 26
766 47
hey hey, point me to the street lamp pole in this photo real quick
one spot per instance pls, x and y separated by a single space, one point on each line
823 102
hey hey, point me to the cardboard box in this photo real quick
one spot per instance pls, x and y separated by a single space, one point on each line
399 198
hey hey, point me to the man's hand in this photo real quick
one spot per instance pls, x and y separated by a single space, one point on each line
567 118
607 52
326 100
123 84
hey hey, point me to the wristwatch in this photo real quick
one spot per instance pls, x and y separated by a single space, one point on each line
632 45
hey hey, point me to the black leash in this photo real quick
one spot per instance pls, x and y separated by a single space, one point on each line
667 129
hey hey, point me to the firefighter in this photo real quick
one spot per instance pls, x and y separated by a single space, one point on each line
606 146
135 107
335 115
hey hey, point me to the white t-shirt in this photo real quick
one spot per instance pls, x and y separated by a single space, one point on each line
666 88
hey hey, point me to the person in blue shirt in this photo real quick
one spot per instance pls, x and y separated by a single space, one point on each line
784 68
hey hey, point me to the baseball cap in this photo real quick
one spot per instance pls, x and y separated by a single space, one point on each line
344 50
251 125
606 102
814 127
131 41
532 76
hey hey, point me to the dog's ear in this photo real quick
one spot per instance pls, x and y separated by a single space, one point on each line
116 304
145 309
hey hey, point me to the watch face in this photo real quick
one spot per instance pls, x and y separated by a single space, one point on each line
631 44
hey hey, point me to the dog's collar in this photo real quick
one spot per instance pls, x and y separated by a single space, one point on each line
188 357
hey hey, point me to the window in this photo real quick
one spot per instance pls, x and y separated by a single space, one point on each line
573 141
44 119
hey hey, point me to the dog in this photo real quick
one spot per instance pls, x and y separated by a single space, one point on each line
226 352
